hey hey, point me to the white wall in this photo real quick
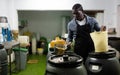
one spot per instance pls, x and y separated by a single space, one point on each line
46 23
7 9
118 17
58 4
3 8
109 8
13 16
118 21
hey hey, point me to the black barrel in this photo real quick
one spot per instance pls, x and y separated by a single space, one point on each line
3 61
66 64
103 63
114 42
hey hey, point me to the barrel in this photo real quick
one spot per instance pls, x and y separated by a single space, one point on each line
66 64
114 42
3 61
103 63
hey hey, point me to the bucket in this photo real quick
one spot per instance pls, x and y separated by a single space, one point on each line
40 51
100 40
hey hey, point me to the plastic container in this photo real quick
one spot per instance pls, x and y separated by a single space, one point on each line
40 51
20 58
100 40
34 45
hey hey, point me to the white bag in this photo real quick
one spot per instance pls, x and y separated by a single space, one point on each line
100 40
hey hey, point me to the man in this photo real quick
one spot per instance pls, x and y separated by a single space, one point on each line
79 29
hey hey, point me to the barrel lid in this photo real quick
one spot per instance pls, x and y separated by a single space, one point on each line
108 54
65 60
1 46
113 38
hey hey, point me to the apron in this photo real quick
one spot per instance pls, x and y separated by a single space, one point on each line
83 41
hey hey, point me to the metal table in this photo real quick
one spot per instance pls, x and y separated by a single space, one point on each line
9 45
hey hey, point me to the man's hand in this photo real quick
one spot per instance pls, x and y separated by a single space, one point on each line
69 44
103 28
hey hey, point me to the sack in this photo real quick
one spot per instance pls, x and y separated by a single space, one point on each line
100 40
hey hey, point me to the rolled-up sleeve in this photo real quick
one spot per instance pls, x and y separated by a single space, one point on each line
70 33
96 25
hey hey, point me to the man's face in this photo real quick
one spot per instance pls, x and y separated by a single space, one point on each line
78 14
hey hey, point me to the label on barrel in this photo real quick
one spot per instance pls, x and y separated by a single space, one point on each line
95 67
